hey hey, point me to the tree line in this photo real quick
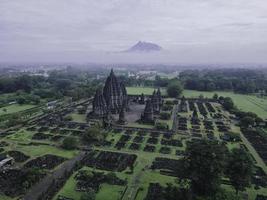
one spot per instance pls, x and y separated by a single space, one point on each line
238 80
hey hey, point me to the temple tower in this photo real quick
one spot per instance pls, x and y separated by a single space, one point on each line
122 119
148 115
99 104
114 93
156 101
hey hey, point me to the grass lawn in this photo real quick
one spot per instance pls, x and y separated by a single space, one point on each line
3 197
40 150
243 102
106 191
252 193
109 192
15 108
81 118
169 122
139 125
21 136
68 190
145 90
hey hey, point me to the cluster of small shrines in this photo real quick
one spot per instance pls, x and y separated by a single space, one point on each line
153 106
113 99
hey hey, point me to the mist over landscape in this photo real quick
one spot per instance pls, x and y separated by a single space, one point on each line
99 31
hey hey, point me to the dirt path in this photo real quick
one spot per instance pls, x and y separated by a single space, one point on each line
40 190
136 181
133 186
174 118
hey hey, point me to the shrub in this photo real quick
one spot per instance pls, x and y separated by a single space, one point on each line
169 102
81 109
162 126
68 118
165 115
93 134
69 143
174 89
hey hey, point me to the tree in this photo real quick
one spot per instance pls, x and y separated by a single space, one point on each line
228 103
165 115
239 169
21 100
69 143
161 126
93 134
215 96
203 165
174 89
68 118
247 121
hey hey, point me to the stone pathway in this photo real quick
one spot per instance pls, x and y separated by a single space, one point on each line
174 118
39 190
133 187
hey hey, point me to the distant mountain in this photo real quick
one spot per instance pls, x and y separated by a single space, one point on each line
144 47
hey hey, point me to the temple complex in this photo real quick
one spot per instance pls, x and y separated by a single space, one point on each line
111 103
111 98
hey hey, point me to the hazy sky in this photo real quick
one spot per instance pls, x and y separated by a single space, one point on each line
85 30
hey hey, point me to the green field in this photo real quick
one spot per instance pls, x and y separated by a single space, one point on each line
243 102
14 108
145 90
106 191
81 118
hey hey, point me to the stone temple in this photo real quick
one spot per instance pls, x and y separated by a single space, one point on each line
111 99
153 107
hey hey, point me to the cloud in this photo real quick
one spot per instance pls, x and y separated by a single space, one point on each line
54 27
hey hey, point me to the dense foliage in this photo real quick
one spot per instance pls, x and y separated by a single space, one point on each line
68 82
238 80
206 162
69 143
174 89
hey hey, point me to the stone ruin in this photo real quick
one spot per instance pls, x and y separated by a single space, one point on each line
153 106
111 99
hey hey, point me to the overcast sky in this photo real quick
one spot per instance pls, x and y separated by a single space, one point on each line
85 30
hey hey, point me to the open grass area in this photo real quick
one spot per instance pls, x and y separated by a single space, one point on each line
3 197
243 102
21 136
145 90
106 191
81 118
14 108
40 150
109 192
68 190
252 193
139 125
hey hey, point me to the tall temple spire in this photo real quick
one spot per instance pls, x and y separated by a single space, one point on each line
122 119
111 72
148 116
110 100
113 93
99 103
